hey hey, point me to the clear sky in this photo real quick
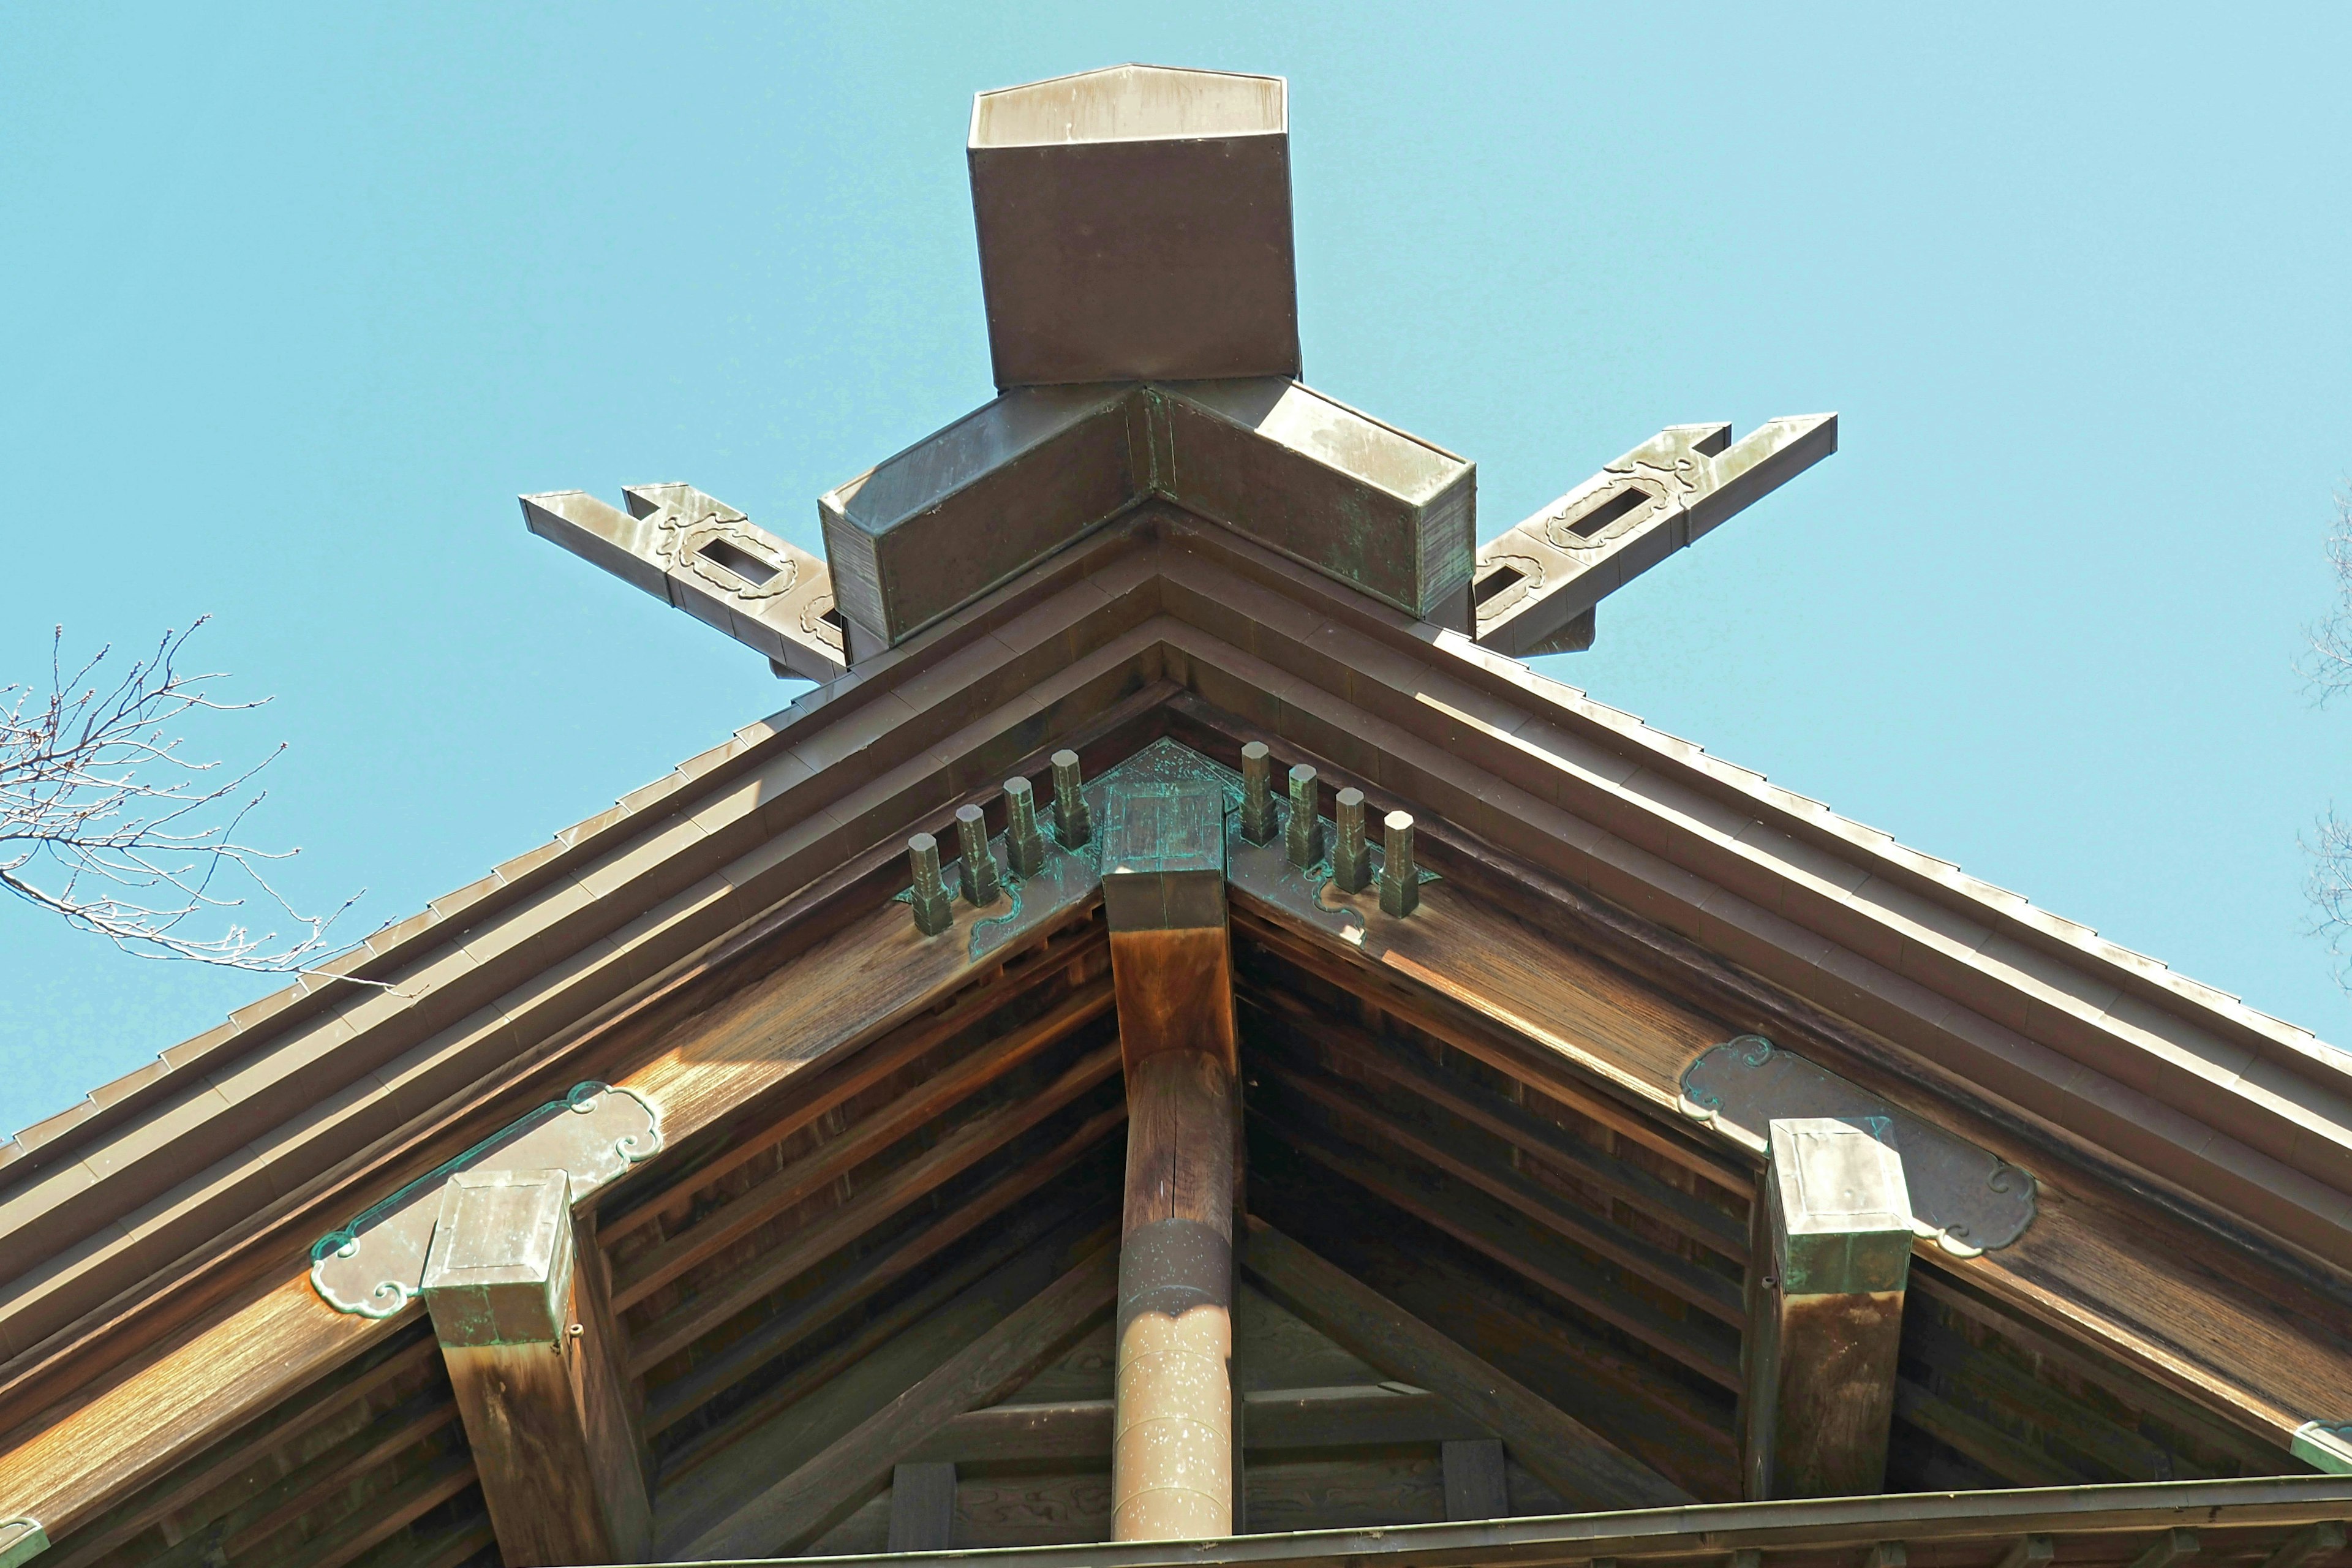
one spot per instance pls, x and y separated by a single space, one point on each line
298 301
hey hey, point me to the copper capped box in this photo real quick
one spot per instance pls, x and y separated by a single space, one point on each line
1134 224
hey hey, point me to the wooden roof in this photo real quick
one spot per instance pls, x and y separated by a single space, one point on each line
1616 901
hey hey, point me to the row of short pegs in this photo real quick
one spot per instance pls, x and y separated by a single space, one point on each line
1350 857
1024 846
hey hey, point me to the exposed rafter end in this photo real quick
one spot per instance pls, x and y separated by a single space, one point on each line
707 559
1535 588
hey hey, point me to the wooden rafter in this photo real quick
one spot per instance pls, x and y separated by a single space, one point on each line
824 1394
1441 974
907 1185
2130 1270
832 1485
1571 1457
893 1261
1521 1248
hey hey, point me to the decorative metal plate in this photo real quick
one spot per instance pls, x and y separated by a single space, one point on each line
1263 870
374 1265
2325 1445
21 1540
1967 1200
1067 877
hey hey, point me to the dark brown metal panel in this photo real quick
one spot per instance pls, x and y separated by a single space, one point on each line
960 511
1325 486
1134 223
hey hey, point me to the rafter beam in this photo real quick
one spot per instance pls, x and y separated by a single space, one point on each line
891 1194
1705 1346
828 1488
1376 1415
1583 1466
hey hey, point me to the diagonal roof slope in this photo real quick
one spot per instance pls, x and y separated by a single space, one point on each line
177 1205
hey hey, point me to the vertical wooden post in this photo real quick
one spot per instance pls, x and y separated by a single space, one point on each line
1173 1446
1825 1310
536 1385
1476 1484
923 1507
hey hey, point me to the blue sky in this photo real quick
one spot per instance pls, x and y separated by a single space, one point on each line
299 301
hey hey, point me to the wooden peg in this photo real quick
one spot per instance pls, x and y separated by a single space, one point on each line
1070 824
1400 878
1025 850
1305 834
981 887
933 911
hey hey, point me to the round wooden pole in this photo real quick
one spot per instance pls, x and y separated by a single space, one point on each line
1172 1443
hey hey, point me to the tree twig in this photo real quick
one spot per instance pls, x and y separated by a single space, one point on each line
104 822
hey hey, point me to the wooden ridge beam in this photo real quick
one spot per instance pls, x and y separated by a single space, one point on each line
921 1177
1580 1464
829 1487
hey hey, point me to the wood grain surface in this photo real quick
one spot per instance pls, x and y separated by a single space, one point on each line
1580 1463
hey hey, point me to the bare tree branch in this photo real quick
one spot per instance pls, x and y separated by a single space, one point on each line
2326 669
104 822
2328 885
2326 661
